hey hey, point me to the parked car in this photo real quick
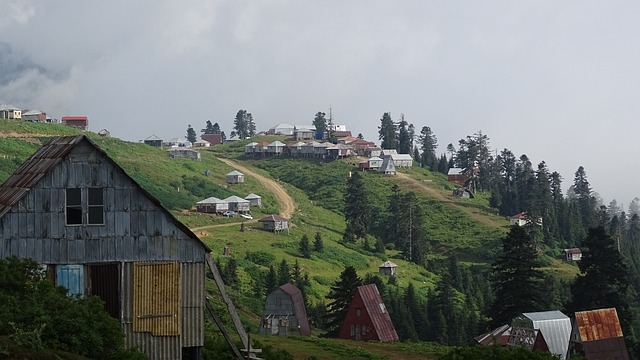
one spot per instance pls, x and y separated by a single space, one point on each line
247 216
229 213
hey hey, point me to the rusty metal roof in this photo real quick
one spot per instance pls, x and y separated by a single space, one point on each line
598 324
298 306
45 159
378 312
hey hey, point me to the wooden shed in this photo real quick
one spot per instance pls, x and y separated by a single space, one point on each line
284 313
597 334
388 268
238 204
212 205
100 234
274 223
254 200
235 177
367 317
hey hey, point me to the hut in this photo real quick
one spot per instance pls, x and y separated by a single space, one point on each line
235 177
183 153
573 254
254 200
212 205
387 166
153 141
388 268
100 234
238 204
457 176
554 326
284 313
274 223
367 317
597 334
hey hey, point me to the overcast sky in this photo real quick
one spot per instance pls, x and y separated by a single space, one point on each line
556 80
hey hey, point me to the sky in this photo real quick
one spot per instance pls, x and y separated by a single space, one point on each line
558 81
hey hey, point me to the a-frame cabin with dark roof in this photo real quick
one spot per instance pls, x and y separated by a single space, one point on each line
71 208
367 317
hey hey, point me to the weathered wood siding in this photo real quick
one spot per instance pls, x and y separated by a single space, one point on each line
135 229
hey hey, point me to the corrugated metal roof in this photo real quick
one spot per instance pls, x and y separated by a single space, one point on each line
253 196
378 312
598 324
298 306
388 264
46 158
236 199
235 173
555 327
272 218
498 336
454 171
211 200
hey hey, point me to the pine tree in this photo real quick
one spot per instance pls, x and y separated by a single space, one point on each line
209 129
404 138
305 248
191 134
244 125
357 208
387 132
341 294
271 281
284 273
428 145
603 280
318 245
517 280
320 122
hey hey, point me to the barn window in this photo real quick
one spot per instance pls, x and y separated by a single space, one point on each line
358 311
74 206
96 206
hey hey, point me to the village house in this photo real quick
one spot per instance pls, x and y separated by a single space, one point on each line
360 146
201 143
281 129
213 139
457 176
367 318
338 151
8 112
275 148
387 167
98 233
294 150
597 334
374 163
34 115
373 151
388 268
183 153
250 148
212 205
573 254
554 326
302 132
78 122
520 219
174 142
235 177
284 313
275 223
153 141
254 200
238 204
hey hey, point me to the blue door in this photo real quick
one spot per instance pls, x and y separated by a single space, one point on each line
71 277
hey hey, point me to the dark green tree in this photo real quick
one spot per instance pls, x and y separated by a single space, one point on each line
284 273
603 281
340 297
243 124
404 138
585 198
357 210
271 280
320 122
387 132
428 145
517 279
318 244
191 134
360 136
305 247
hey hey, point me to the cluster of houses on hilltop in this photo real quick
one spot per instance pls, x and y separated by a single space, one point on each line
593 334
9 112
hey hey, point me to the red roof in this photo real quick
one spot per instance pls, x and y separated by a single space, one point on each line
521 216
598 324
375 315
74 118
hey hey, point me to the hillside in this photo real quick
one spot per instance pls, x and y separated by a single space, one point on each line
310 192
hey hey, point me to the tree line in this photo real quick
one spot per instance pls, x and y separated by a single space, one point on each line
243 124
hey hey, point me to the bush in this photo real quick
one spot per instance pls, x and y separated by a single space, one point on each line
260 258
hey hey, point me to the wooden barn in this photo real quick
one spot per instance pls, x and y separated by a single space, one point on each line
274 223
98 233
597 334
235 177
284 313
367 318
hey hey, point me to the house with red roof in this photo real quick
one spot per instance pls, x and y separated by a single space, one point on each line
80 122
597 334
275 223
367 317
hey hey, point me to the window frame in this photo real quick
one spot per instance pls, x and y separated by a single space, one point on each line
67 207
90 204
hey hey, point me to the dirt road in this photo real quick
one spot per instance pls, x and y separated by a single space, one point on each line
287 205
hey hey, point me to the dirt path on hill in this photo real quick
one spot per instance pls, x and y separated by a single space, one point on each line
254 221
287 205
417 185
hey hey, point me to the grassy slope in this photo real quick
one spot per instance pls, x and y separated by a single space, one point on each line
466 225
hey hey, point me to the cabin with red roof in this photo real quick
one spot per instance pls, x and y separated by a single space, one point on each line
80 122
367 318
597 334
275 223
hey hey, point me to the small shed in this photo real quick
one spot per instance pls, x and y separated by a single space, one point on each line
104 133
275 223
597 334
235 177
520 219
284 313
183 153
79 122
387 166
554 326
388 268
573 254
457 176
367 318
254 200
212 205
201 143
238 204
153 141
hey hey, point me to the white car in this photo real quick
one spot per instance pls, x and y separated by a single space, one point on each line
229 213
247 216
